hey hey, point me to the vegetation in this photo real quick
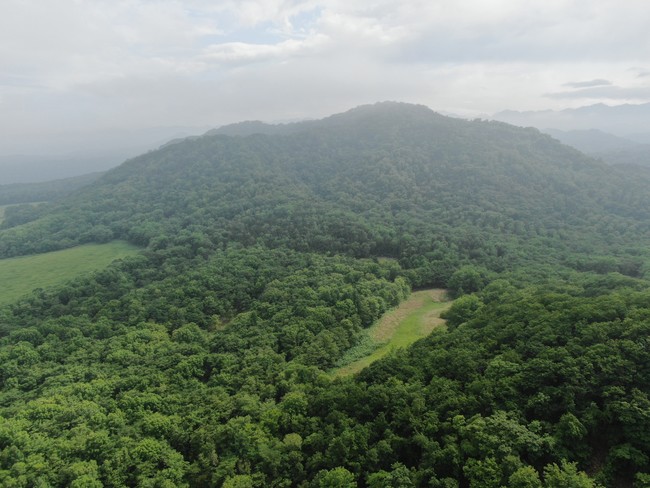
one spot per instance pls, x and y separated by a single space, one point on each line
38 192
414 319
24 274
268 255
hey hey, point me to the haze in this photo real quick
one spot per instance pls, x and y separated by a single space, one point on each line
89 83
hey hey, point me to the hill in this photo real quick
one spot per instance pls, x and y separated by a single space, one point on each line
592 141
268 253
390 179
601 145
638 155
16 193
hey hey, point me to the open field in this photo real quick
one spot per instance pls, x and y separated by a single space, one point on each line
413 319
19 276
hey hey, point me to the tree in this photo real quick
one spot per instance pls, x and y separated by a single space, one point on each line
566 475
525 477
468 279
336 478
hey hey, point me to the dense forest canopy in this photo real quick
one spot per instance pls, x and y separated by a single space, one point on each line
204 360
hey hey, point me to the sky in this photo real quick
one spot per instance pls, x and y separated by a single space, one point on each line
71 67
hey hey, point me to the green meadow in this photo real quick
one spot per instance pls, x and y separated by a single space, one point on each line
413 319
19 276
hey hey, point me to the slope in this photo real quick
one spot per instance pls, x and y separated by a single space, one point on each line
202 361
385 180
592 141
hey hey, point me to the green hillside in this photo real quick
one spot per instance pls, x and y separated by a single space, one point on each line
268 254
39 192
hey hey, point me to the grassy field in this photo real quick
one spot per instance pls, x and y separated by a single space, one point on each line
414 319
19 276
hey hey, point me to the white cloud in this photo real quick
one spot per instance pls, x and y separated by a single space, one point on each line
587 84
241 52
98 63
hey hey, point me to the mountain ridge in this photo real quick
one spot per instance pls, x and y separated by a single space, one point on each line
621 120
371 172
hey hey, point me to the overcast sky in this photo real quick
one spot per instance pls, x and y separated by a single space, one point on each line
71 65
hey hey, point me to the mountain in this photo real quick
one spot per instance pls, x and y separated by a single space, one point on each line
607 147
269 251
362 182
638 155
625 121
45 191
592 141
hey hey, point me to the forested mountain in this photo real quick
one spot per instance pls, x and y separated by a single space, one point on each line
601 145
203 361
592 141
42 192
638 155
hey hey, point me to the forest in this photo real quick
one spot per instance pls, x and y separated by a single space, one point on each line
266 253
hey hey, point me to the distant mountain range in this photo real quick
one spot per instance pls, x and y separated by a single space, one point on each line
592 141
49 158
627 121
616 134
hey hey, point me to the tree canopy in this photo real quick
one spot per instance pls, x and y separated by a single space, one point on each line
267 251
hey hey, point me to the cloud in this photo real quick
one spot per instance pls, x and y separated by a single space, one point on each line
587 84
84 64
244 53
641 93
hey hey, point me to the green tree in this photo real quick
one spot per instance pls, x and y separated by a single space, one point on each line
525 477
336 478
566 475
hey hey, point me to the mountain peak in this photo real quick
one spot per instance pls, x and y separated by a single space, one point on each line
397 110
380 111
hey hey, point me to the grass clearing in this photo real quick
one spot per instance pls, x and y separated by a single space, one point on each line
19 276
413 319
